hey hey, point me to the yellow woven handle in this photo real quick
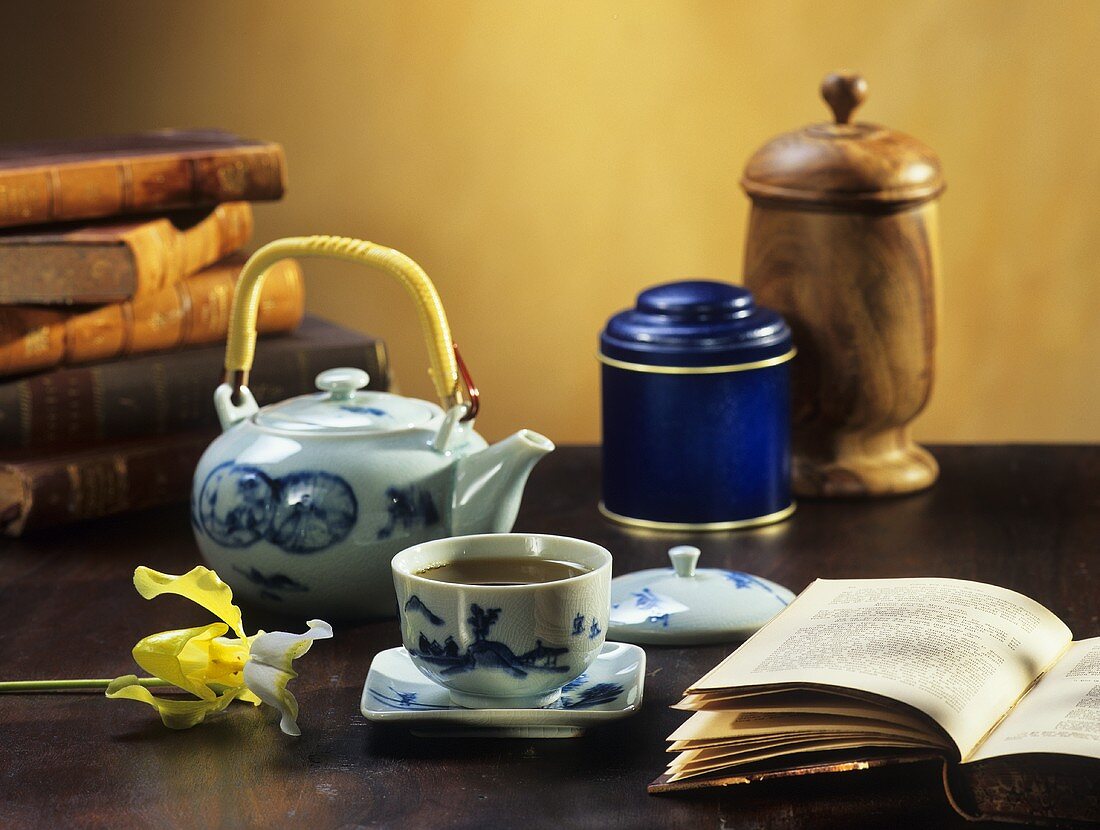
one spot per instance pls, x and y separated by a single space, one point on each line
241 345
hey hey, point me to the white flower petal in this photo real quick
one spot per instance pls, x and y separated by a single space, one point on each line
268 671
269 685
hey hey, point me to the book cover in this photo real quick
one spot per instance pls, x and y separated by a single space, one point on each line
192 311
169 392
59 180
110 261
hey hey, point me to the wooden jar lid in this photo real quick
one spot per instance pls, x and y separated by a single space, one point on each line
844 165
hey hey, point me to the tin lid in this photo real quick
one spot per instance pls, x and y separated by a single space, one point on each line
843 165
688 605
343 405
695 323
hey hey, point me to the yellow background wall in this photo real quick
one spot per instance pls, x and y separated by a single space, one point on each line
546 160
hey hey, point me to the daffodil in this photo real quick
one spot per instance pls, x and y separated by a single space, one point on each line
214 668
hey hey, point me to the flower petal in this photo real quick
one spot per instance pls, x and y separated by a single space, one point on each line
175 714
226 657
269 671
180 657
269 684
200 585
280 648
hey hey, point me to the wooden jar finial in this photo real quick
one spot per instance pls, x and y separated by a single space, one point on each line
843 91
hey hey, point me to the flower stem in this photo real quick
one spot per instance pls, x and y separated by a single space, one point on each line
62 685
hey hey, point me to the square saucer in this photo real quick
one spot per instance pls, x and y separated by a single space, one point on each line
611 688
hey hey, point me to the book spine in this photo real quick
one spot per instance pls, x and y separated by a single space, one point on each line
163 394
111 187
192 311
101 482
163 255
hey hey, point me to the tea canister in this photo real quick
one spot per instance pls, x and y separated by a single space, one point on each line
696 410
842 241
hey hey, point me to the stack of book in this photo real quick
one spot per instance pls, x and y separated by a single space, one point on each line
118 261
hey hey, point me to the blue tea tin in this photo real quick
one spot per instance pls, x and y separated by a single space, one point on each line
696 410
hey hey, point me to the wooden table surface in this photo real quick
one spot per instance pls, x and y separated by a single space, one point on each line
1027 518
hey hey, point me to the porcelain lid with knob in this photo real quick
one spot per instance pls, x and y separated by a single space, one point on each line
344 404
844 165
688 605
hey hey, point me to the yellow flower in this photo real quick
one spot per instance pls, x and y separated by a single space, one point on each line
213 667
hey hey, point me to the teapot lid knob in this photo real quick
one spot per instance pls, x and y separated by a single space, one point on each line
684 559
342 383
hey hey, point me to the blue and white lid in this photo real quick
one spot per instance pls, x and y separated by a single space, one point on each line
343 404
686 605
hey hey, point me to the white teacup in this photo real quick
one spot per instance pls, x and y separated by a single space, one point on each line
503 646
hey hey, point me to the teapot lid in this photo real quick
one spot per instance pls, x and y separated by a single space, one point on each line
686 605
344 405
843 165
695 323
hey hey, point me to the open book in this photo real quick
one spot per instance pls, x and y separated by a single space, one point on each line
866 671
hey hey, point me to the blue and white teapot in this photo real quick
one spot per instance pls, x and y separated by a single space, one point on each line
300 505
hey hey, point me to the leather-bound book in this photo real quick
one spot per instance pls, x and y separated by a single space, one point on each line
44 491
59 180
109 261
170 392
192 311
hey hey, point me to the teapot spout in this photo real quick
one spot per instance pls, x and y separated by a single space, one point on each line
489 484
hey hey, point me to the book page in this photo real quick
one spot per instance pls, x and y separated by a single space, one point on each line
1061 714
723 752
730 725
961 652
681 769
808 703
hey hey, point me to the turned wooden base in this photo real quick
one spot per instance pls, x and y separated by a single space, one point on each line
887 463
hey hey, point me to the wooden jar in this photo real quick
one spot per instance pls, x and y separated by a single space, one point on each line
842 242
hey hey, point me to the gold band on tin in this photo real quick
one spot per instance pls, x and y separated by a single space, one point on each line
694 370
704 527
